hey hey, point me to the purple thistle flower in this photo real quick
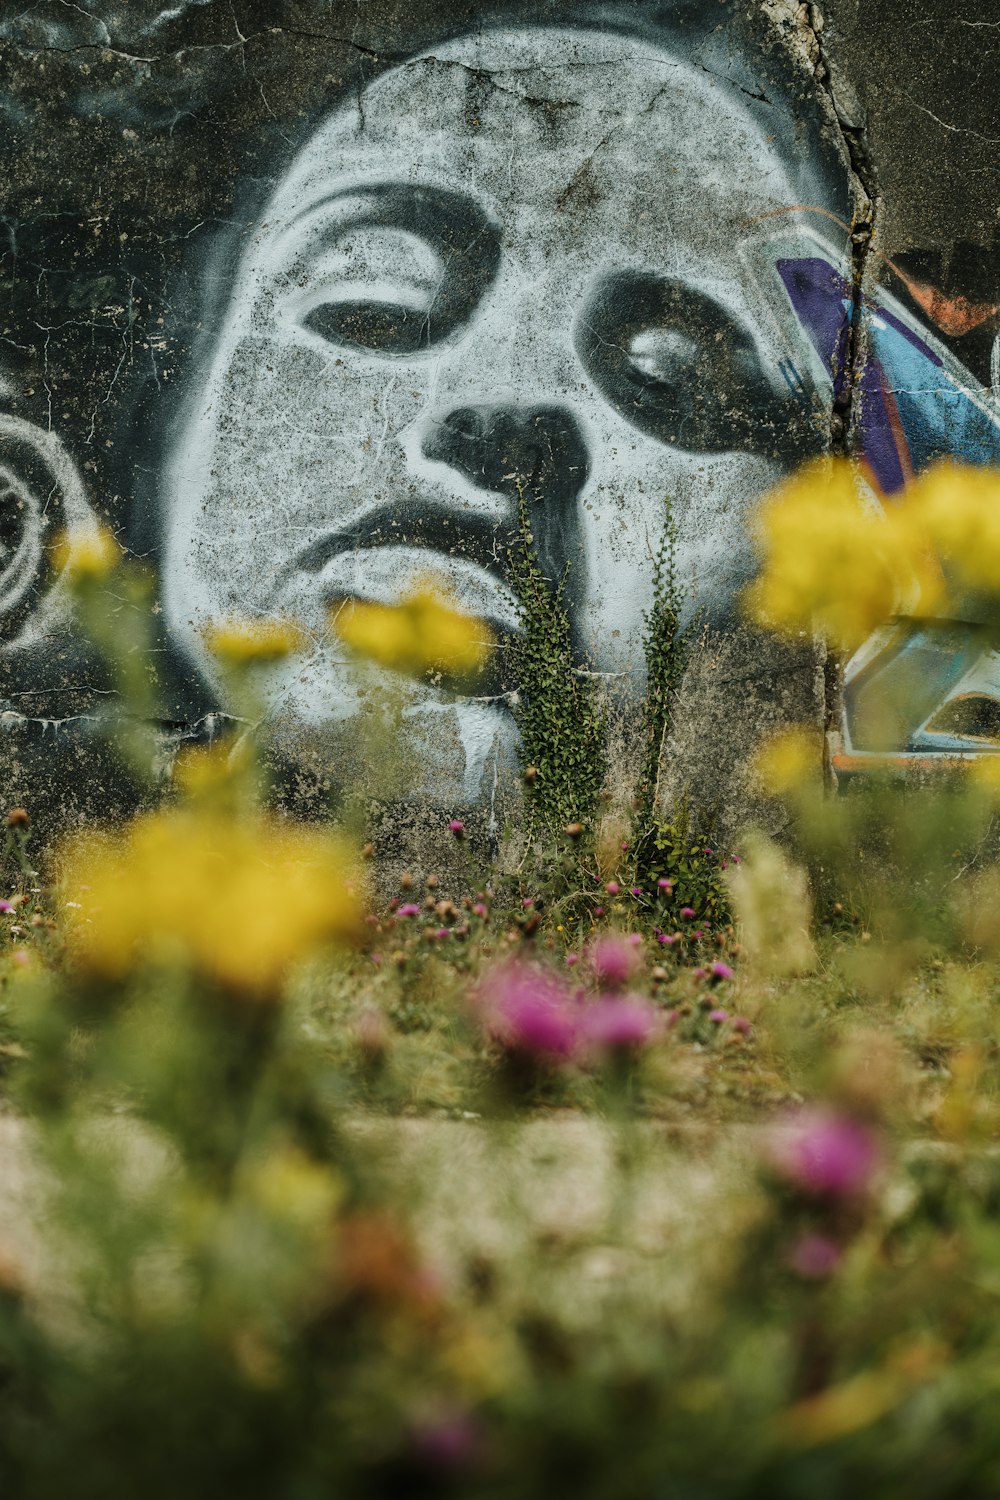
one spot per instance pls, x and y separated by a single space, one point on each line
443 932
449 1440
614 960
571 959
457 827
529 1011
6 907
598 911
718 1017
720 971
815 1257
481 910
408 909
687 912
742 1025
635 890
663 884
825 1154
612 888
616 1022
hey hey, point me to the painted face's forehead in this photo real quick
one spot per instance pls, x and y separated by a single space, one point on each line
594 138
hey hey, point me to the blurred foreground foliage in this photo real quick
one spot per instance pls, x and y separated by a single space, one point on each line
669 1171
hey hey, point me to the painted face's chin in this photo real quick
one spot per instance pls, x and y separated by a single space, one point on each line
453 748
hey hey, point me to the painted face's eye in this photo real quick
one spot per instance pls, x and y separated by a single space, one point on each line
661 356
399 269
678 366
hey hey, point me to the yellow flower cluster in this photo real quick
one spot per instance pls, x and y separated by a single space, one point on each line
86 556
836 564
243 643
957 507
236 901
788 759
423 633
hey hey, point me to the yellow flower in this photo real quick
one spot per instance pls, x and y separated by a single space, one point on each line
422 633
236 901
242 643
90 555
958 507
984 771
210 772
840 1410
834 564
289 1186
787 759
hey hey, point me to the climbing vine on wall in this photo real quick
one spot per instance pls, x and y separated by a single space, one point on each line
667 648
562 729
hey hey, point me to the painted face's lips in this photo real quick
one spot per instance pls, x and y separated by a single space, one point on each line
471 535
381 555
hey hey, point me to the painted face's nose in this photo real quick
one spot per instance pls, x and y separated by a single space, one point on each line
537 454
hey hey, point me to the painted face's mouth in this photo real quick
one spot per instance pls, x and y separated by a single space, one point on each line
384 555
469 536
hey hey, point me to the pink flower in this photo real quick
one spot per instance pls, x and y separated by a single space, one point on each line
529 1011
815 1257
457 827
449 1439
481 910
5 907
636 890
619 1021
663 884
612 888
720 971
614 960
825 1154
598 911
687 912
718 1017
742 1025
527 902
669 938
571 959
408 909
443 932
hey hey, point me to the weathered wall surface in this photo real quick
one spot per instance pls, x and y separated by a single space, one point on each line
296 297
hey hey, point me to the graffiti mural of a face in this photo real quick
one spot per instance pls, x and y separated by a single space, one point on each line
523 255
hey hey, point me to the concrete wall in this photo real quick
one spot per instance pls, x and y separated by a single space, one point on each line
292 290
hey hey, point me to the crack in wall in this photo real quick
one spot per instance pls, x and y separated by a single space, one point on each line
803 24
808 23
